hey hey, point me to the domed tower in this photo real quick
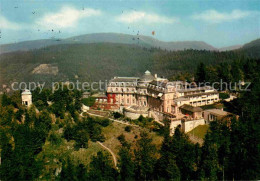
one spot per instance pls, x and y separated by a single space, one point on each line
142 88
147 77
27 98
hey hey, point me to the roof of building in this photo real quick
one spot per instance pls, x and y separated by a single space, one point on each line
26 92
191 108
218 112
201 94
160 83
147 77
99 95
196 89
124 79
181 99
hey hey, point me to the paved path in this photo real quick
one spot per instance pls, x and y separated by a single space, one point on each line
122 122
110 151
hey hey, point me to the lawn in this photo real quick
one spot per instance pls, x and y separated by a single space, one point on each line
200 131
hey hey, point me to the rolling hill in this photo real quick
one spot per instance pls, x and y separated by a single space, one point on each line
140 40
252 48
229 48
101 61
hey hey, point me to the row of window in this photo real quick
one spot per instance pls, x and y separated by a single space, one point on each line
122 84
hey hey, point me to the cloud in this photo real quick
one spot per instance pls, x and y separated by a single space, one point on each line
143 17
6 24
214 16
66 17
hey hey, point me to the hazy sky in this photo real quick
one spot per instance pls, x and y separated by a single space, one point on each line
219 23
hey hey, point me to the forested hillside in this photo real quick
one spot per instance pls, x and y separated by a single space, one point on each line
101 61
55 142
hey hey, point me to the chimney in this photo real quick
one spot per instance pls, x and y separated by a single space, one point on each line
155 75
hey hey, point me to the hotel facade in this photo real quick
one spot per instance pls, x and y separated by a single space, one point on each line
158 96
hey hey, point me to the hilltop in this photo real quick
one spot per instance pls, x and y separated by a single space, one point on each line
140 40
252 48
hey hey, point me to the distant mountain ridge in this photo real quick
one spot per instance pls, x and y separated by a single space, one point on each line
229 48
252 48
119 38
140 40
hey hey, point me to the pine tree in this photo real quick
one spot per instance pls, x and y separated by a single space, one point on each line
101 168
126 163
145 157
200 76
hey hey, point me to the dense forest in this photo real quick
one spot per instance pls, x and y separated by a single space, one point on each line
29 138
102 61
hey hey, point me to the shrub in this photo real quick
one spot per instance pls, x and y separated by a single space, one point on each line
224 96
117 115
128 128
121 138
104 122
88 101
55 139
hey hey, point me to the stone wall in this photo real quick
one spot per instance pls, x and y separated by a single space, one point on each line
173 125
188 125
134 115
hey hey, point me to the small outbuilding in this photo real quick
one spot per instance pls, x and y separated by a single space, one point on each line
27 98
214 114
194 112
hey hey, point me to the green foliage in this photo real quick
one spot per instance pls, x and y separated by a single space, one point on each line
55 138
88 101
128 128
68 171
103 122
23 142
224 95
83 130
126 163
117 115
101 168
144 158
200 75
40 98
228 151
5 100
